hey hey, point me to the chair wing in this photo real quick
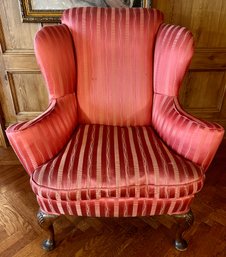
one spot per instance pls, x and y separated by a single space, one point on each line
194 139
35 142
54 50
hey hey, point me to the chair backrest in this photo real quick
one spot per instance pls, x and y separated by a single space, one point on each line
114 54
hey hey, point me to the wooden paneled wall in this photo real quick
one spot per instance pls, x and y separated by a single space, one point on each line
23 94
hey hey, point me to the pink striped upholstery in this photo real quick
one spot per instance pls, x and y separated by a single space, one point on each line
36 142
58 67
173 51
112 143
116 207
114 50
116 162
194 139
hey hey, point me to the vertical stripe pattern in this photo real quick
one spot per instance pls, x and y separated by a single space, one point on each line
119 167
114 52
173 51
193 139
111 207
36 142
116 162
54 50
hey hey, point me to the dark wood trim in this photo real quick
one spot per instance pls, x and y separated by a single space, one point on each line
46 221
184 222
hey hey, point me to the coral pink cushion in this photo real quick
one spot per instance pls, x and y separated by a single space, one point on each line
117 207
105 161
114 53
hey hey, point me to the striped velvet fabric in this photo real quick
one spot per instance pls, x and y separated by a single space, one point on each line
116 162
191 138
114 51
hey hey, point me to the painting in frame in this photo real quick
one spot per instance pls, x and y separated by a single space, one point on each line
51 10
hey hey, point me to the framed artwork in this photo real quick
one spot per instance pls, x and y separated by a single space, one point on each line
51 10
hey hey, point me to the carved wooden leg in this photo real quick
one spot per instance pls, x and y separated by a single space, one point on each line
184 222
46 222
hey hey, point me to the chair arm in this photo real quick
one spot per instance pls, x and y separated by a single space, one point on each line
194 139
37 141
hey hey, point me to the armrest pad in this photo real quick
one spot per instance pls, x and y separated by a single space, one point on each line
37 141
194 139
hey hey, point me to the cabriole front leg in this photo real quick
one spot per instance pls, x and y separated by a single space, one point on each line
45 221
184 222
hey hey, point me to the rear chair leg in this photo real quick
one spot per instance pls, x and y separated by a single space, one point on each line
184 222
45 221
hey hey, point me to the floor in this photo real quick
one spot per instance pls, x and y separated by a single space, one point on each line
21 236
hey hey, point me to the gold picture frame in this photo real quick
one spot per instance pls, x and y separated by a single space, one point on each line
38 11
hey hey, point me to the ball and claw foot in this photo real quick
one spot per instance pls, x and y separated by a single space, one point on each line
181 245
45 221
48 245
184 222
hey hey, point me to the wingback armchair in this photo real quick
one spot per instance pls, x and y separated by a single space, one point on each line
114 141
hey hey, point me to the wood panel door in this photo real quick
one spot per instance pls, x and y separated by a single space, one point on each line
203 90
23 94
22 91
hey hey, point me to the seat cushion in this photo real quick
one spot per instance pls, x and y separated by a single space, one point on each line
113 162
